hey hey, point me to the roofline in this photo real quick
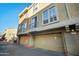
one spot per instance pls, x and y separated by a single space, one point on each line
25 9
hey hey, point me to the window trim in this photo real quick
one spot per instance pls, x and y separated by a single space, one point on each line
35 6
49 16
23 31
34 23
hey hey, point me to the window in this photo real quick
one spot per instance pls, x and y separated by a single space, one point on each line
19 27
45 17
34 22
49 15
52 13
24 26
35 7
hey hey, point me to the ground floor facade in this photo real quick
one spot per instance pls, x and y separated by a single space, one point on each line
55 40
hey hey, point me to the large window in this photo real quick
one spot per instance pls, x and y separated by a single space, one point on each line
34 22
35 7
52 14
19 27
45 17
49 15
24 26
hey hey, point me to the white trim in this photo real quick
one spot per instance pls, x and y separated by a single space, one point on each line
49 16
31 20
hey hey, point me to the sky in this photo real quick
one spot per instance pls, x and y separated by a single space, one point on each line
9 14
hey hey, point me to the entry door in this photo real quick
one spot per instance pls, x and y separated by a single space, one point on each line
72 43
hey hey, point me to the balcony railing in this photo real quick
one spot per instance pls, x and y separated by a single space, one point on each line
25 16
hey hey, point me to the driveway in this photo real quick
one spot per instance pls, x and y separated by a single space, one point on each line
19 50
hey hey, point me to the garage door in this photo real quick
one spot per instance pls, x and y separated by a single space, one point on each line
50 42
72 43
24 40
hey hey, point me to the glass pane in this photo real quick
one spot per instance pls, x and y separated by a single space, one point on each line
45 17
55 18
34 22
52 12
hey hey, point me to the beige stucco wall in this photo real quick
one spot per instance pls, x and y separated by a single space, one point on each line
64 11
31 13
73 9
61 13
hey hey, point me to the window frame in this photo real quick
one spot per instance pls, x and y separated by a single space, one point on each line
43 18
35 7
24 27
34 24
49 15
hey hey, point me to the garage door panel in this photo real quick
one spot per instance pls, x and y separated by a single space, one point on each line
50 42
24 40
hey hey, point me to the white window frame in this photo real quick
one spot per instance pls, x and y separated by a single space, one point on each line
31 23
35 6
43 18
49 16
56 15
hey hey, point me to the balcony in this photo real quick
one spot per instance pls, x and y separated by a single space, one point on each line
25 16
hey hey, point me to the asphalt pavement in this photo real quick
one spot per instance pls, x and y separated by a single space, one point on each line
19 50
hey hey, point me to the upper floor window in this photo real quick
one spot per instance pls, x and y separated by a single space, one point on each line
49 15
19 27
34 22
24 26
35 7
52 14
45 17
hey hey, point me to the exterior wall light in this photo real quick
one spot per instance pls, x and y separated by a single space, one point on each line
77 27
67 28
73 31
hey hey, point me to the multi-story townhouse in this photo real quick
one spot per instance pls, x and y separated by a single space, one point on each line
50 26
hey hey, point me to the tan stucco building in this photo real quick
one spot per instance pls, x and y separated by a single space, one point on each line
11 33
50 26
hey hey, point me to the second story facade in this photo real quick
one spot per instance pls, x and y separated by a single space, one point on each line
43 16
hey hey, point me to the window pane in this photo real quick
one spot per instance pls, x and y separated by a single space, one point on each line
45 17
35 7
24 26
33 22
52 12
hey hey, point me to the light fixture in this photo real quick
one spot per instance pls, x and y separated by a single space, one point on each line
73 31
67 28
55 37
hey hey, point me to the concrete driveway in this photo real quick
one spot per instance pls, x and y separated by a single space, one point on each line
19 50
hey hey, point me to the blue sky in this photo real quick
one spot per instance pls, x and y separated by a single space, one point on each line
9 14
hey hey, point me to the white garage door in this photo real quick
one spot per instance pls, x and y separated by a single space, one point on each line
50 42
